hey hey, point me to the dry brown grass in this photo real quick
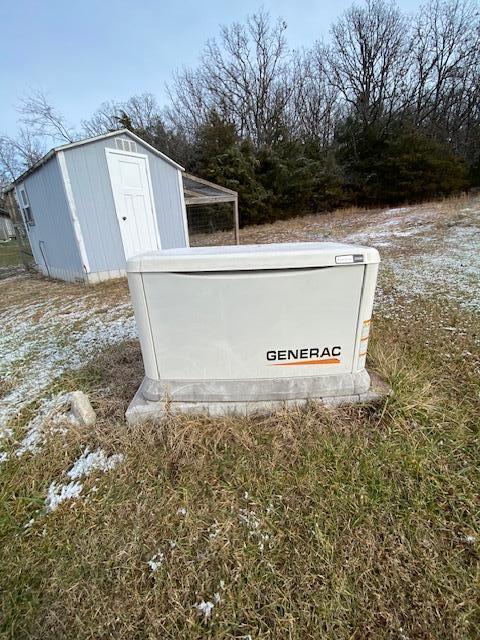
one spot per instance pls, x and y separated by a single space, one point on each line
351 523
339 524
339 224
32 288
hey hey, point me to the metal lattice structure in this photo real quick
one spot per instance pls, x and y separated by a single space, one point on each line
20 231
212 212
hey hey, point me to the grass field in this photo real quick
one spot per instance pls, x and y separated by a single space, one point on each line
355 523
9 254
10 260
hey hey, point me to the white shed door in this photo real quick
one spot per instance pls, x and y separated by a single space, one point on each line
132 194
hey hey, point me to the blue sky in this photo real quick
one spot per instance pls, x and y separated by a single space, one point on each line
84 53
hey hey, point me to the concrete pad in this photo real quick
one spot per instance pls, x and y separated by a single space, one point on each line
141 410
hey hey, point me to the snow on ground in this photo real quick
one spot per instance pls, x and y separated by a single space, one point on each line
205 607
40 340
425 249
59 493
89 461
429 251
49 413
452 269
156 561
93 460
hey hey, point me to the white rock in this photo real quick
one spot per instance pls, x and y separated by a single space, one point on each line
81 408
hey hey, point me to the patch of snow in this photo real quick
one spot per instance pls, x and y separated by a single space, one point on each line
253 524
182 511
250 519
40 341
59 493
94 460
49 412
213 530
263 538
204 608
156 561
384 236
5 432
397 210
85 464
452 269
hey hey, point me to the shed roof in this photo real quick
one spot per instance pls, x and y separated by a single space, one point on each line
199 191
79 143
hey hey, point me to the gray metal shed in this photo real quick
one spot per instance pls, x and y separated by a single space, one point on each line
7 231
90 205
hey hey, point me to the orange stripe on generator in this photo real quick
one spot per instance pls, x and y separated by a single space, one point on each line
292 364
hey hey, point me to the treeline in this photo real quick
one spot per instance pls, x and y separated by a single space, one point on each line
387 111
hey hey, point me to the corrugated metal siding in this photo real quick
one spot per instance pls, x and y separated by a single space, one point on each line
90 181
51 213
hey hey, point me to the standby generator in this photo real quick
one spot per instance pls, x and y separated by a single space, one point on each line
250 327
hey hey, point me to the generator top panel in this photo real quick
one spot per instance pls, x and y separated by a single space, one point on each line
250 257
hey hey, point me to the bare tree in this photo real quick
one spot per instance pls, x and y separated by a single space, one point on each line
447 66
315 107
368 60
142 112
104 119
42 123
18 154
43 119
379 66
9 162
243 77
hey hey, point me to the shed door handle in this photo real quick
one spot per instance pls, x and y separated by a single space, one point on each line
124 218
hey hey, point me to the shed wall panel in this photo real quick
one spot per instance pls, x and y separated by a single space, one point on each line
168 197
90 183
95 207
53 227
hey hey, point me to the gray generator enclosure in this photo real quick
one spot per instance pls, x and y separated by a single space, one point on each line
91 205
